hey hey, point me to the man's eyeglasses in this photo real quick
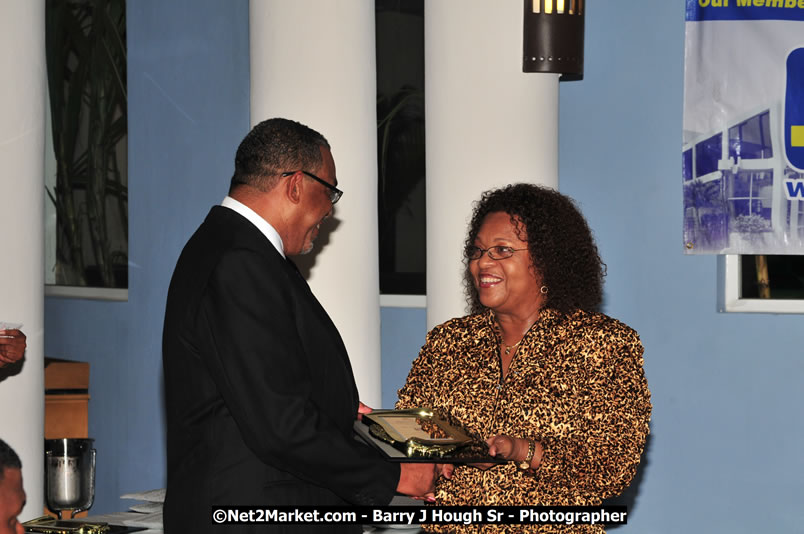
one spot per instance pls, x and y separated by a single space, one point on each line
495 253
335 194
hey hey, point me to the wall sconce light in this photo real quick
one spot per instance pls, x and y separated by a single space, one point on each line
553 37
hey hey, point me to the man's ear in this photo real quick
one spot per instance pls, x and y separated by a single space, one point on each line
294 187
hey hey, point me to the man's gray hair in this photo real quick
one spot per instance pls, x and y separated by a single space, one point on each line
275 146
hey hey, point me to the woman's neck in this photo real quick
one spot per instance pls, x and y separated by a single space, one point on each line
513 327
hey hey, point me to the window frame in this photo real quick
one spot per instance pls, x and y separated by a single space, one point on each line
730 275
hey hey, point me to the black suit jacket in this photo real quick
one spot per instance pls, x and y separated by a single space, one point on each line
259 392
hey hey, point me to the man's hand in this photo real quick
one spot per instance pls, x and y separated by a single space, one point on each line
12 346
418 480
361 409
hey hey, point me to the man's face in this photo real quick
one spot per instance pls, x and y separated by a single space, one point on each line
12 500
317 204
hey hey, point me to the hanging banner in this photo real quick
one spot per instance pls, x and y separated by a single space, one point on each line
743 151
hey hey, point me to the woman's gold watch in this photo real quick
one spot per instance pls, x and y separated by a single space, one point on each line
525 464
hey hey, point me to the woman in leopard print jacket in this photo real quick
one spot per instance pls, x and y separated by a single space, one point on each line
550 383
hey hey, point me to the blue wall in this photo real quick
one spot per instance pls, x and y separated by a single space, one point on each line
727 431
188 83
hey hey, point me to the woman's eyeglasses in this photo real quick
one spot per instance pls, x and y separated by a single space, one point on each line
495 253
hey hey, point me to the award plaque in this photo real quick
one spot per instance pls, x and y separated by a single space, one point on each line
50 525
420 434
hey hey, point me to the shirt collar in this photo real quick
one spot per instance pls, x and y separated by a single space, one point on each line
262 225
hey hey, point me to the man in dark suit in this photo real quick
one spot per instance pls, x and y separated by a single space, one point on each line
259 391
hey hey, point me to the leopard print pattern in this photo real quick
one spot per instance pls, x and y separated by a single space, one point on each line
576 385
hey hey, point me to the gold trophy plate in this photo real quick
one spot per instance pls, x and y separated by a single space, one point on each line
420 434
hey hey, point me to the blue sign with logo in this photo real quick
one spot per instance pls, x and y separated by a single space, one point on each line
743 127
794 110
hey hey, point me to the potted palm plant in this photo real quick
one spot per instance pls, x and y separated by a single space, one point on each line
86 62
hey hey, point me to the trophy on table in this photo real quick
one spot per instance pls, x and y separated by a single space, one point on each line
69 475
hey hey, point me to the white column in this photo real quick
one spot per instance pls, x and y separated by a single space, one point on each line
314 62
488 124
22 101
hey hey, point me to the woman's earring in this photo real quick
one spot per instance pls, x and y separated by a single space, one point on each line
544 290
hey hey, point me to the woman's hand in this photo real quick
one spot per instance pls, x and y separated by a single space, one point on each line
446 470
505 447
500 445
514 449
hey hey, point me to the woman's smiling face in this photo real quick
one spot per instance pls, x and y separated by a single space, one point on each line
509 285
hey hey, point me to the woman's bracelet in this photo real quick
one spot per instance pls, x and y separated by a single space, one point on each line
525 464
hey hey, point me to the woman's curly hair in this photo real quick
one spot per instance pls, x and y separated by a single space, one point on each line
559 241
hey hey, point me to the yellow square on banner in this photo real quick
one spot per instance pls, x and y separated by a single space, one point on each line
797 136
